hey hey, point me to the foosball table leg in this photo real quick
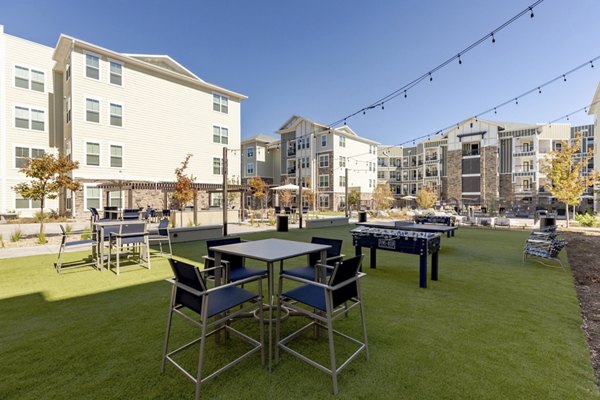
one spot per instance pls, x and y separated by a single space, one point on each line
423 271
373 258
434 266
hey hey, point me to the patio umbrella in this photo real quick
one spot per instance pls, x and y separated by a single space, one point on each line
408 197
289 186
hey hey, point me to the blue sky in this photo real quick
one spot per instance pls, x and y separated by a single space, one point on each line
325 59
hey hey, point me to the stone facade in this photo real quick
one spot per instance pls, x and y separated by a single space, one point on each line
489 174
454 178
507 196
444 188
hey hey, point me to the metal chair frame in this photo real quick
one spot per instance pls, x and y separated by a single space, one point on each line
221 322
59 265
324 320
160 238
118 242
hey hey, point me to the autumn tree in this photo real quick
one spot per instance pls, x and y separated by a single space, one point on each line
383 197
259 188
426 197
48 175
563 169
354 199
184 191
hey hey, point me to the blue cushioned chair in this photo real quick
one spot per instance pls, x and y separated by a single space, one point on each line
59 265
162 236
333 255
321 303
236 269
217 304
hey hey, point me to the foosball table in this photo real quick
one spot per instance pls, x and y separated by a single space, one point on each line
388 238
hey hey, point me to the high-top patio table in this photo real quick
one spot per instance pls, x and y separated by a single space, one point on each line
269 251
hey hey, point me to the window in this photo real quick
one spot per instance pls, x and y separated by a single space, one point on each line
26 118
92 154
323 140
305 162
21 117
381 174
116 114
250 168
324 161
342 161
250 152
20 202
323 181
37 120
216 200
342 202
22 155
323 201
92 66
116 73
220 103
116 156
21 77
92 110
24 75
342 141
115 199
92 197
68 71
217 166
220 135
68 110
342 181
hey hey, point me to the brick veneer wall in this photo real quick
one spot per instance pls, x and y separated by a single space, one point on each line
489 174
454 179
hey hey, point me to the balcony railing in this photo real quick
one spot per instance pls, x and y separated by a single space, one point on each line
291 151
291 170
523 168
471 152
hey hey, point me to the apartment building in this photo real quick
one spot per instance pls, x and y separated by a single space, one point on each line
481 162
123 117
316 156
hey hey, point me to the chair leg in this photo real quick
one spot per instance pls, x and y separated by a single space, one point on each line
278 321
169 319
332 353
364 324
201 352
118 247
262 325
59 261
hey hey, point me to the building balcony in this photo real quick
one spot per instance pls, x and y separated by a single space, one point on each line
472 152
291 152
523 168
291 171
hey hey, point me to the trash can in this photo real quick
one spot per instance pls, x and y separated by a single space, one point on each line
547 222
362 216
539 214
282 223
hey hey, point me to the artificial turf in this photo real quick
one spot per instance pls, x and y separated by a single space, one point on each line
490 328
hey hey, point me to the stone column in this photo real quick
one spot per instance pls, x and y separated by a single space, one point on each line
454 175
489 174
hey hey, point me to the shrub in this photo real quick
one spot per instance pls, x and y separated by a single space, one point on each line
190 223
38 216
1 240
68 229
587 219
86 234
16 235
41 237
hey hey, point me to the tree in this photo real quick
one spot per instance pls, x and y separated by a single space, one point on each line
563 169
426 197
353 199
48 175
184 192
258 187
383 197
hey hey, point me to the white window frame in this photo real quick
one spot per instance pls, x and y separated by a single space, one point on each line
30 117
324 140
250 166
342 161
85 152
112 197
110 145
220 134
220 96
110 60
342 180
99 100
321 197
323 160
29 152
320 181
68 110
342 141
29 69
85 195
250 151
220 165
85 54
116 103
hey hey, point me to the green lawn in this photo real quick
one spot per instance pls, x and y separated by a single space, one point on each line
490 328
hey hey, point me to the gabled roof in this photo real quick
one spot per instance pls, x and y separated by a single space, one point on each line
345 130
261 137
160 64
295 120
595 104
166 62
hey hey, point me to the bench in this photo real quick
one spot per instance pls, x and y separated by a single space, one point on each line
327 222
195 233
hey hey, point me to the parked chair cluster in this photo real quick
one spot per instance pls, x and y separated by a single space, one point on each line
545 244
64 244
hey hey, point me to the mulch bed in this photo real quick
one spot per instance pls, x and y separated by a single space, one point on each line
585 264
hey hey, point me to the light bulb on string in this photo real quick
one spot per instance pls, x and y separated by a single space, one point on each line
495 112
592 63
493 38
459 60
516 101
539 90
564 78
405 96
382 107
531 15
430 77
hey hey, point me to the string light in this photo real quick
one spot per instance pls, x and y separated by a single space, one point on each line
516 101
430 77
531 15
564 78
592 64
495 112
405 95
493 38
459 60
539 90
